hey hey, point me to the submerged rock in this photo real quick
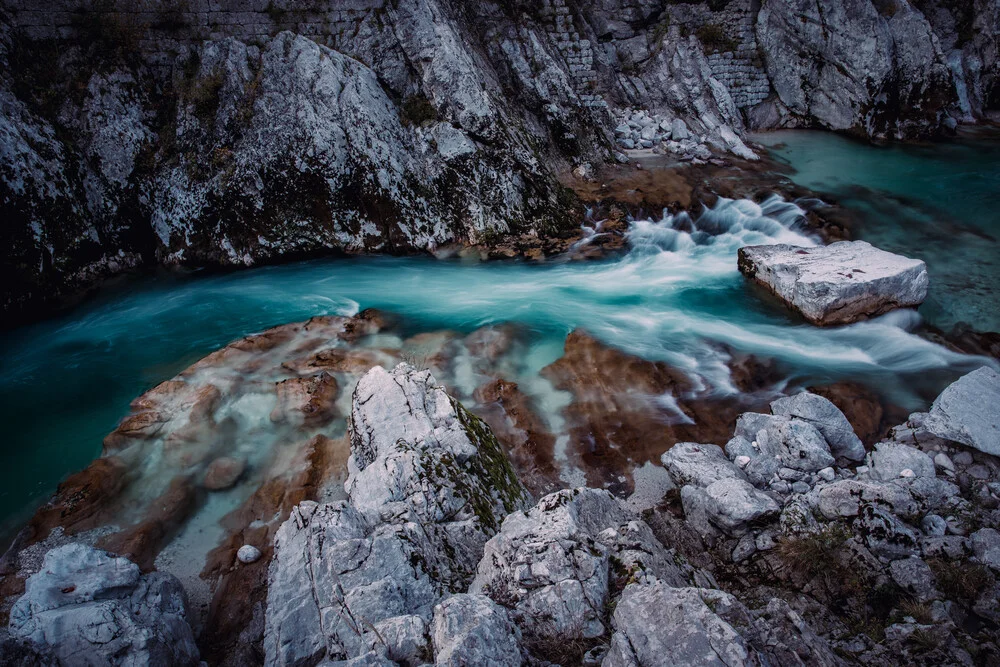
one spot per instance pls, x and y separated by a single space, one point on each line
86 606
839 283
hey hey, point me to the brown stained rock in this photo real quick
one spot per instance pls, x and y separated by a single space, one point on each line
243 588
367 322
223 472
618 419
434 349
342 360
491 342
307 401
142 542
750 373
81 501
523 433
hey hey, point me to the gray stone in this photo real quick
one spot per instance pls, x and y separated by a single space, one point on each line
827 418
87 606
986 547
248 554
890 460
550 566
679 130
697 464
728 504
967 412
839 283
473 630
428 485
656 624
934 525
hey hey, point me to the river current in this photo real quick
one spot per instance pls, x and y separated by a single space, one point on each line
674 296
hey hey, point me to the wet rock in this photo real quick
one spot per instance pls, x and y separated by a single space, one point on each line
473 630
428 485
308 401
223 472
552 567
825 416
839 283
88 607
514 419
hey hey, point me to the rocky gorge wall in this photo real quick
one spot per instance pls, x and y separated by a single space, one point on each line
208 132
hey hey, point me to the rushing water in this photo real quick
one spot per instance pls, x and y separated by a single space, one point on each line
936 201
675 296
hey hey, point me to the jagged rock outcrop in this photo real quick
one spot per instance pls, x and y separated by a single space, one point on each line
839 283
429 484
873 68
87 606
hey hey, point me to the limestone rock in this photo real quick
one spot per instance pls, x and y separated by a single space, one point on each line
890 460
89 607
552 565
474 630
428 485
827 418
839 283
699 465
656 624
967 411
728 504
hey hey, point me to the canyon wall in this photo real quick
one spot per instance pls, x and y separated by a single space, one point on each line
215 132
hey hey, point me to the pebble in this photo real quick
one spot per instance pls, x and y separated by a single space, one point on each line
934 525
742 461
248 554
906 472
800 487
827 474
963 458
944 462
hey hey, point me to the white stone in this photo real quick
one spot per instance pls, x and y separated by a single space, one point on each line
248 554
839 283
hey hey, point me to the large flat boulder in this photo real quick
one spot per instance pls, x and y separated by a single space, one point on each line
837 284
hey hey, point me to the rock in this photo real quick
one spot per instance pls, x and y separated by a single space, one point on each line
794 443
473 630
428 485
966 412
89 607
827 418
700 465
223 472
248 554
679 130
837 284
943 462
309 401
551 566
656 624
827 474
934 525
986 547
885 534
844 498
728 504
890 460
915 577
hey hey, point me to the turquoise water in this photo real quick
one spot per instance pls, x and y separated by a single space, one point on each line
675 296
936 201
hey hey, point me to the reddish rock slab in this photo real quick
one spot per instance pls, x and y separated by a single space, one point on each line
223 472
306 401
513 419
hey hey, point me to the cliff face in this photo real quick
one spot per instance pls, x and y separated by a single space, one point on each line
207 132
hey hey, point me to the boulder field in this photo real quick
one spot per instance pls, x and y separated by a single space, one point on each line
791 545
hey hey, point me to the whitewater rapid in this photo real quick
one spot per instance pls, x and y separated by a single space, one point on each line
675 295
